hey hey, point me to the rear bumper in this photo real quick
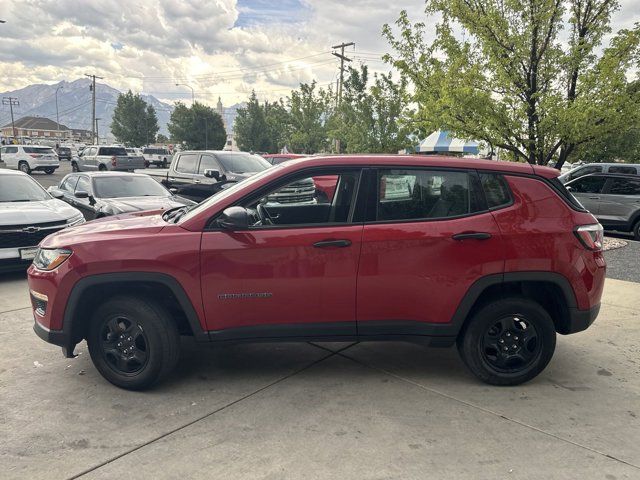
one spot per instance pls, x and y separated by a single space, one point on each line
580 320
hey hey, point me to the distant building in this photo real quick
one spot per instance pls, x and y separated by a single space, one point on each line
231 141
44 128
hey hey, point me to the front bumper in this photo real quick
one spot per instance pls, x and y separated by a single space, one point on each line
580 320
56 337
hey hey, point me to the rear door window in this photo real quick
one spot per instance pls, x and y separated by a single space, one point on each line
621 169
624 186
588 184
579 172
113 151
423 194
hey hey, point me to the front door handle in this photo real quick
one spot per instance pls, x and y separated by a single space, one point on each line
472 236
332 243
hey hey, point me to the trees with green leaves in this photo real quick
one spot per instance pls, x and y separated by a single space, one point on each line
310 109
499 71
134 122
162 138
262 127
197 127
369 116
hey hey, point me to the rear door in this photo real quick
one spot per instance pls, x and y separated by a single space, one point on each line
620 201
428 237
588 190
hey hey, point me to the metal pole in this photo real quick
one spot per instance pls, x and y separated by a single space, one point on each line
11 101
57 116
97 134
342 60
93 104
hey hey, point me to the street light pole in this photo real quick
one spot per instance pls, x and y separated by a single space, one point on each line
97 134
57 116
193 94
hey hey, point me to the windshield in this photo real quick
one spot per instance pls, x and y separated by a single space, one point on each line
16 188
242 162
127 186
193 211
64 150
39 150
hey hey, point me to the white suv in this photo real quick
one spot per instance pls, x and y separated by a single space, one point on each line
29 158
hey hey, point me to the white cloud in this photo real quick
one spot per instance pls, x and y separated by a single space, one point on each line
148 45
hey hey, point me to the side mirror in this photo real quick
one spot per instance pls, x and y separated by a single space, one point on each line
569 189
173 190
81 194
234 218
211 173
55 193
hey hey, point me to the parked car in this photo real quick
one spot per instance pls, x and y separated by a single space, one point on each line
497 257
278 158
614 199
133 152
324 185
27 215
30 158
587 168
160 157
99 194
105 157
199 174
64 153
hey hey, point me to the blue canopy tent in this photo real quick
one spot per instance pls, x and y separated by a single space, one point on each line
440 142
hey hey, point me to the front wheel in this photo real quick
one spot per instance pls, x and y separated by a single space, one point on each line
508 341
74 167
49 171
133 342
636 230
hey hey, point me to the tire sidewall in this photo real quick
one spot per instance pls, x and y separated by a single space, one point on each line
470 343
24 167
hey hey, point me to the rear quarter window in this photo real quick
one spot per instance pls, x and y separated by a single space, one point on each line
112 151
496 190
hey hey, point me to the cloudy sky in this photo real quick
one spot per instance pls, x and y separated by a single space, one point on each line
220 47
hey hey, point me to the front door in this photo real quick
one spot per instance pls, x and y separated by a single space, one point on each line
427 239
293 273
588 190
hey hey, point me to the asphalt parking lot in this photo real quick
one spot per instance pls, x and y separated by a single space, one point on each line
375 410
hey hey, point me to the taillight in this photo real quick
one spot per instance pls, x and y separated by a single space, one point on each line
591 236
113 161
34 155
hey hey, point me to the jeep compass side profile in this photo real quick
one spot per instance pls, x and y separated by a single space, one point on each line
495 257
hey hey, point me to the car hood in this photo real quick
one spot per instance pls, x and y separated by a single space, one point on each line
238 177
137 204
116 226
31 213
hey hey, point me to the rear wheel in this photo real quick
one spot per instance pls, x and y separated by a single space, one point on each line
74 167
508 341
133 342
636 230
102 167
24 167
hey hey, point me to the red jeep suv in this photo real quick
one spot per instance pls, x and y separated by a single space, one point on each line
496 257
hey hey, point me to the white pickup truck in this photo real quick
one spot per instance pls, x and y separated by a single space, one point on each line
106 157
160 157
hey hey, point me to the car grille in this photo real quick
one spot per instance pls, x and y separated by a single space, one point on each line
13 239
294 194
39 305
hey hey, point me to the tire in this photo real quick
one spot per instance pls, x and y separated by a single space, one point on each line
636 231
498 326
164 163
24 167
102 167
133 342
49 171
74 167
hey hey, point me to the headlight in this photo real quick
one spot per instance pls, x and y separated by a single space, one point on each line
50 258
77 220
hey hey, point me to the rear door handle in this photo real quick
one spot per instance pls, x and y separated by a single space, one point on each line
594 198
332 243
472 236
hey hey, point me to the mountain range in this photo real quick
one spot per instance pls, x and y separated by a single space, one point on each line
74 105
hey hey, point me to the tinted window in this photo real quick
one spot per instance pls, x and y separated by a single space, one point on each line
64 150
69 184
621 169
187 163
128 186
19 188
420 194
624 186
83 185
207 162
12 150
113 151
39 150
242 162
588 185
496 190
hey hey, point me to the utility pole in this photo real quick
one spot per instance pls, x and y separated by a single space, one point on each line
343 59
97 134
11 101
58 116
92 87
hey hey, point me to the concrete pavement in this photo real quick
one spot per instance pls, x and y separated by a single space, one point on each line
373 410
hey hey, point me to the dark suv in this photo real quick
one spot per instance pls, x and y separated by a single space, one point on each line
494 257
614 199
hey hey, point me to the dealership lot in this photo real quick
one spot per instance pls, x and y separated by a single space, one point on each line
375 410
